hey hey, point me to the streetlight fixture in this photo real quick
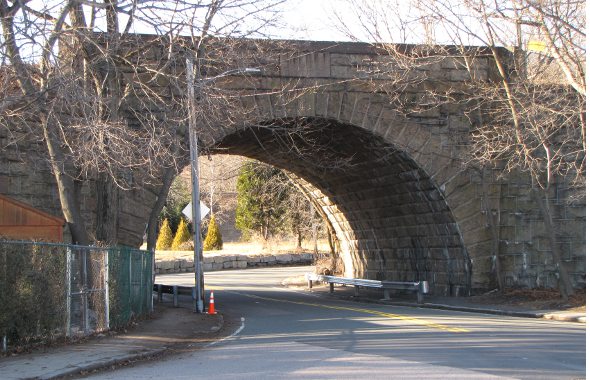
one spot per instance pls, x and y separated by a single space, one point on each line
194 161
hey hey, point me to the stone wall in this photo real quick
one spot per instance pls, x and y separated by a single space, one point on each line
216 262
405 206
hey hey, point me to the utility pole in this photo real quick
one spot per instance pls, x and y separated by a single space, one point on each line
194 153
196 203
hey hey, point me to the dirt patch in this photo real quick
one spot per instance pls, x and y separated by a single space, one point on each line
535 299
175 330
176 325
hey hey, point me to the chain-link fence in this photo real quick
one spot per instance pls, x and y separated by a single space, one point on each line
49 290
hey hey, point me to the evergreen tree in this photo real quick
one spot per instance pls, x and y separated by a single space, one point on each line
182 235
213 240
262 191
164 237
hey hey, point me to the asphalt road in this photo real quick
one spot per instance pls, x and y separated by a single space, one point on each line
286 334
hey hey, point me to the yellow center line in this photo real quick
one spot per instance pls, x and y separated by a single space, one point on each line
367 311
213 288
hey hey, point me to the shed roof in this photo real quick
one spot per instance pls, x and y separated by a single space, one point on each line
16 213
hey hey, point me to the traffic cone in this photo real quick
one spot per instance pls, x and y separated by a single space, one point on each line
212 304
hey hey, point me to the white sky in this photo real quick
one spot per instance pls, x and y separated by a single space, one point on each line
312 20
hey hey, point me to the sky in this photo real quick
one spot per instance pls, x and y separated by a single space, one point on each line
312 20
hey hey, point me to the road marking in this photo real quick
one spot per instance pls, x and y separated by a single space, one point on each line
367 311
214 287
233 335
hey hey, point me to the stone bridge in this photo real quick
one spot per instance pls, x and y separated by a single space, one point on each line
395 189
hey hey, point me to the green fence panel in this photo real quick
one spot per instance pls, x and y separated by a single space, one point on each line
130 284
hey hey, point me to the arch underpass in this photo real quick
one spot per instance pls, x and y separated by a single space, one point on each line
395 186
390 218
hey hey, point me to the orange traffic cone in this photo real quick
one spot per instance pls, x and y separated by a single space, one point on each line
212 304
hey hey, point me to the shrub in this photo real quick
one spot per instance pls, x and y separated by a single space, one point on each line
213 239
164 237
187 245
182 235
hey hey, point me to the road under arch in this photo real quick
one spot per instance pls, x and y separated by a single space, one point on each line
391 220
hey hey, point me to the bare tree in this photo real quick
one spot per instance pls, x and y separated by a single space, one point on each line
303 218
526 121
86 87
219 175
528 124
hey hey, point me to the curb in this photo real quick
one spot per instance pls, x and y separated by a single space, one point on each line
573 317
565 318
106 364
98 366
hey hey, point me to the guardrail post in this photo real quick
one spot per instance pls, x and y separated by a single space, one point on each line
386 294
420 296
357 291
422 289
309 284
175 295
159 293
331 287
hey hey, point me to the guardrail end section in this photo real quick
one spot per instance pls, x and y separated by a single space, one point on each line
424 288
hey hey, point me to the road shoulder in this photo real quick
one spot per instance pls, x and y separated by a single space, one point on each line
167 331
465 304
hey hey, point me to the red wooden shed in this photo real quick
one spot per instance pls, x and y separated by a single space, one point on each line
21 221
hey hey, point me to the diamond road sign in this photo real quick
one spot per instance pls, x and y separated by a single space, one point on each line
188 211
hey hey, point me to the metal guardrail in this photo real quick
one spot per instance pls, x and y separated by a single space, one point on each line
175 290
420 287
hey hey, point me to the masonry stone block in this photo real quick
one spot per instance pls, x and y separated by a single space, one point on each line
217 266
385 208
165 265
458 75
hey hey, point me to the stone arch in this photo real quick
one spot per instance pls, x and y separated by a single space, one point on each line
390 217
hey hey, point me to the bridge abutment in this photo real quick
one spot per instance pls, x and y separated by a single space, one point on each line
397 189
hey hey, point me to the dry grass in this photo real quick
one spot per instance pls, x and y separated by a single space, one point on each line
245 248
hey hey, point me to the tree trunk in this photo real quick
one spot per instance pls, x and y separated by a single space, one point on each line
65 185
565 286
492 217
315 239
107 210
299 238
152 226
